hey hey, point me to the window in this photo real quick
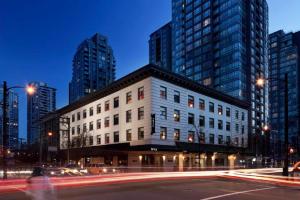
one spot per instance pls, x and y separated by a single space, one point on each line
116 102
116 136
106 138
211 138
128 116
201 104
191 136
128 135
91 111
98 108
163 92
99 124
78 116
106 122
98 139
116 119
141 93
176 115
163 112
190 101
220 139
78 129
211 107
220 110
202 137
243 129
191 118
228 140
84 114
163 133
91 139
201 121
84 128
237 128
227 112
220 124
73 118
236 141
211 123
128 97
236 114
141 133
73 130
176 96
227 126
106 106
140 113
91 126
243 116
176 134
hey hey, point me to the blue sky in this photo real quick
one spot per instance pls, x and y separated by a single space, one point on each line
39 38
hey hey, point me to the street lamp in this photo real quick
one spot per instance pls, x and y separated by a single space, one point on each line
260 82
30 90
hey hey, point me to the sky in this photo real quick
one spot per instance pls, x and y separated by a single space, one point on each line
39 38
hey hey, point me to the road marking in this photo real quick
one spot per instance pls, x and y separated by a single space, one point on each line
236 193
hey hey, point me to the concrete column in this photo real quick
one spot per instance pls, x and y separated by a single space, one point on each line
213 158
203 158
190 160
231 159
180 161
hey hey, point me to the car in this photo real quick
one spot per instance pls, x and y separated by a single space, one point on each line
296 169
100 168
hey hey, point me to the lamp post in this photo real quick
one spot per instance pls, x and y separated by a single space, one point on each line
30 90
261 82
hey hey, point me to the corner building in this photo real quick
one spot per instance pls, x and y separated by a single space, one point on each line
155 118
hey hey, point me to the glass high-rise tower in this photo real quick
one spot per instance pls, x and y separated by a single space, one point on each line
93 67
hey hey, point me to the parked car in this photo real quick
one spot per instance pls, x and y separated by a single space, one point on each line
100 168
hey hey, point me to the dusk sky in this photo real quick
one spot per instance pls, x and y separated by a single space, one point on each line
39 38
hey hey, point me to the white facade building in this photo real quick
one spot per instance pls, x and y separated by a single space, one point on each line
150 117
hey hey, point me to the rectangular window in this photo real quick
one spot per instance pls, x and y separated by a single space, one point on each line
227 112
128 135
91 126
227 126
163 92
201 104
243 129
220 110
128 97
176 134
141 133
236 114
98 108
211 138
116 119
73 130
220 124
106 138
78 116
98 139
78 129
91 111
191 118
141 93
140 113
176 96
191 136
84 114
84 128
236 141
163 112
116 136
128 116
163 133
99 124
201 121
106 106
91 139
243 116
176 115
202 138
106 122
73 118
220 139
190 101
237 128
116 102
228 140
211 107
211 123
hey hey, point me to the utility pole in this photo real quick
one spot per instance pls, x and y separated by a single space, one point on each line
285 171
4 132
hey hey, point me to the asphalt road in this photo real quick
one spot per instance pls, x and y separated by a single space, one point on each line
188 189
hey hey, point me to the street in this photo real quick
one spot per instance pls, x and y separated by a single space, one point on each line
189 188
